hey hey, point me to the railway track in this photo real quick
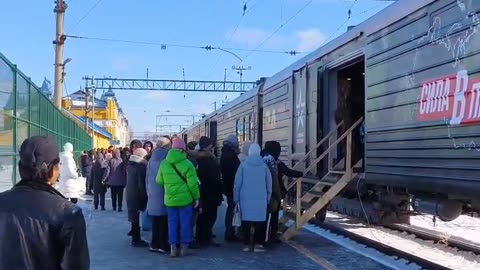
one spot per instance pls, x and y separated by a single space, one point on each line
437 237
385 249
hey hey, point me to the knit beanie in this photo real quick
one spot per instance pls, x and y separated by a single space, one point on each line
204 142
192 145
179 144
273 148
164 142
232 140
140 152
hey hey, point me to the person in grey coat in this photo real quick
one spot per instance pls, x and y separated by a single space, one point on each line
116 178
155 204
252 193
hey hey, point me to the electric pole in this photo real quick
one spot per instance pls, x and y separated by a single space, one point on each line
87 110
59 41
240 71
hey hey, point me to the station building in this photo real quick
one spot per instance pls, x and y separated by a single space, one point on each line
110 123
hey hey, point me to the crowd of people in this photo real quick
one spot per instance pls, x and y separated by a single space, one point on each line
179 186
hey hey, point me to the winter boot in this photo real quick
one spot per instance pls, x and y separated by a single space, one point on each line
173 251
252 238
259 248
136 236
183 250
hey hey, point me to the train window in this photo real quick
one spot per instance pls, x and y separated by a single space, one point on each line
250 127
241 129
244 130
238 129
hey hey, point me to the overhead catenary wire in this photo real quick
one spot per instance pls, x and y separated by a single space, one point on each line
234 32
328 38
185 46
86 13
348 19
275 32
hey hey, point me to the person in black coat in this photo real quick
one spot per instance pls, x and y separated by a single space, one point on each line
99 186
136 193
40 228
87 164
275 149
210 191
229 163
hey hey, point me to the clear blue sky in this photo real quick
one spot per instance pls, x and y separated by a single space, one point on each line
28 28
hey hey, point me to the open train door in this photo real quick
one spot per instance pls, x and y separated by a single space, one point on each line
299 146
212 133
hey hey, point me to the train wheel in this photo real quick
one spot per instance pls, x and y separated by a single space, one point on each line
321 215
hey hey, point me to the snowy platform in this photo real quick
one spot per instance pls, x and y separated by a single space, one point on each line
110 249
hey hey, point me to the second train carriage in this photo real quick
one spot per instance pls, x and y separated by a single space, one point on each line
242 117
412 72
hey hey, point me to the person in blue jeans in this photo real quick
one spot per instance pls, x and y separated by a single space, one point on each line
178 177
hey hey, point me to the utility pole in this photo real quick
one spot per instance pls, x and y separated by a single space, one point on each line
93 114
59 41
240 72
91 87
87 110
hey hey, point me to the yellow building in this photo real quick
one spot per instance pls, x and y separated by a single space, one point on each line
107 115
101 137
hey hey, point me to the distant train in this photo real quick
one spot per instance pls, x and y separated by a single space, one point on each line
412 72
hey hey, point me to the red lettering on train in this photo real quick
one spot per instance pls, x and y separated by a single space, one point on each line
455 98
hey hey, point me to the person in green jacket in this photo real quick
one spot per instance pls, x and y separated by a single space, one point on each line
178 177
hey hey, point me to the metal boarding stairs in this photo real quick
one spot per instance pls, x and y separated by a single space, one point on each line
306 206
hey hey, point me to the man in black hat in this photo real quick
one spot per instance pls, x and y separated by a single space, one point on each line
210 191
39 227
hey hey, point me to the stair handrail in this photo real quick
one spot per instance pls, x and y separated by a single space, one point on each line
307 155
302 217
327 151
322 141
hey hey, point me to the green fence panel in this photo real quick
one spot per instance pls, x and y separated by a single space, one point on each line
26 112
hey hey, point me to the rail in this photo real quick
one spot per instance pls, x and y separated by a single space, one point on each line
384 248
437 237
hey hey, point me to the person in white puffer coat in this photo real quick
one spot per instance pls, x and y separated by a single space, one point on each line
68 174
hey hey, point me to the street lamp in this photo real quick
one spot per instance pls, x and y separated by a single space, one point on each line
68 60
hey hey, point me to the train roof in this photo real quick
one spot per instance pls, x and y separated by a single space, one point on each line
251 93
385 17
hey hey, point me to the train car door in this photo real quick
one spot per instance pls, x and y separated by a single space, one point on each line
213 132
299 124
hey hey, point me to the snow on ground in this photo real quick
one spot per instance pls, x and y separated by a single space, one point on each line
465 227
441 254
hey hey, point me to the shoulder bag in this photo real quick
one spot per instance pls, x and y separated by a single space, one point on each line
183 179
